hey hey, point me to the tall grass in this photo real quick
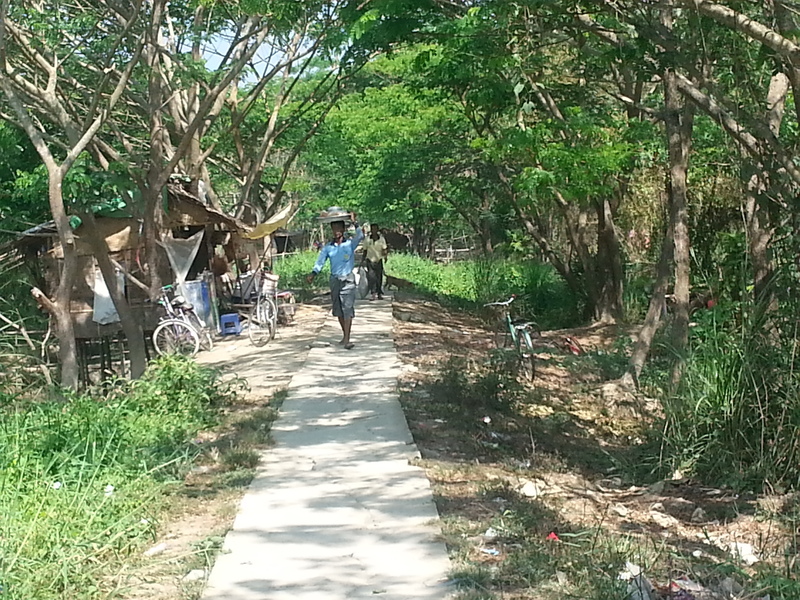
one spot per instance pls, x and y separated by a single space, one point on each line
736 418
81 481
541 294
294 268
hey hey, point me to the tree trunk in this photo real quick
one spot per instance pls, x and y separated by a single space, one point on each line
759 237
758 183
486 243
609 306
60 308
554 259
152 188
644 341
131 326
576 230
152 235
679 122
787 25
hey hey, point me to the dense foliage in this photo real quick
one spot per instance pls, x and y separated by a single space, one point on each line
644 152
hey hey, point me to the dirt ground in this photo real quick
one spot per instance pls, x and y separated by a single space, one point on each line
567 447
203 506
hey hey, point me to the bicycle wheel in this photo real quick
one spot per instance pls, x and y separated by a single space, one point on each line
206 339
527 358
174 336
261 323
272 310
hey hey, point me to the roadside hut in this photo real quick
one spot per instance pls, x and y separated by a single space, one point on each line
185 217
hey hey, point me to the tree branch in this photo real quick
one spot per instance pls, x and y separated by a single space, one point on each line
747 26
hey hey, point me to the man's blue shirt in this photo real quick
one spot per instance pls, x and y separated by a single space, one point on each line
342 256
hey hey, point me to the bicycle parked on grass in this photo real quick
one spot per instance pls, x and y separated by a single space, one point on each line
517 335
180 330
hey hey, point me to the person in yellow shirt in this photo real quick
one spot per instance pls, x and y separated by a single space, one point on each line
375 252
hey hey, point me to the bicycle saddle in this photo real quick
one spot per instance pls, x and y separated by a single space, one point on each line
180 302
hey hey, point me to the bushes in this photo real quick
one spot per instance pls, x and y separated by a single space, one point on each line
80 481
472 389
542 294
454 281
294 268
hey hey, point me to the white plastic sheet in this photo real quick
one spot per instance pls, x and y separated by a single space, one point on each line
103 309
362 285
181 254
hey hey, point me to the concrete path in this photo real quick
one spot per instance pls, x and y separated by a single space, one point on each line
269 367
335 511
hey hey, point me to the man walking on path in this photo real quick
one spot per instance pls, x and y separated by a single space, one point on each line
375 251
341 254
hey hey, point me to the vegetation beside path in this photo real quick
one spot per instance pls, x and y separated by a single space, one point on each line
546 490
467 284
90 482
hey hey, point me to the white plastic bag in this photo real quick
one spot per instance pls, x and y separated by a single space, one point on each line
362 285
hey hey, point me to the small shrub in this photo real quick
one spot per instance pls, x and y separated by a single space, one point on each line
452 385
496 387
472 390
237 459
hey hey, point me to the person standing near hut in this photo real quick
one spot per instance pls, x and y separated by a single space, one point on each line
340 251
375 252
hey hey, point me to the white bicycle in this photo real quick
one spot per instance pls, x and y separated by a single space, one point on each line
180 330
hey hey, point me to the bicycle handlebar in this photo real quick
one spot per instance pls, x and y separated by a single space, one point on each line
504 303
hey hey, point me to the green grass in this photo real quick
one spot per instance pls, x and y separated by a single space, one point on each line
542 295
293 270
735 417
82 481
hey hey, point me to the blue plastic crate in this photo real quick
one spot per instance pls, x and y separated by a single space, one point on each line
230 324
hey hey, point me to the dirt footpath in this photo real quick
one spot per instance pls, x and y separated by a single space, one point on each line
269 367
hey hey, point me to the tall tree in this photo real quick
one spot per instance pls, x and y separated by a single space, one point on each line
48 83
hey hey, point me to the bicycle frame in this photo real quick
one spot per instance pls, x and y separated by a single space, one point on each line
165 302
520 338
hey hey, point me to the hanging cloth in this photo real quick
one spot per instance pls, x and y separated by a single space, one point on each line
277 221
181 254
103 310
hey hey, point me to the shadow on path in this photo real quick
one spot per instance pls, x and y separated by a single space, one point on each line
336 511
